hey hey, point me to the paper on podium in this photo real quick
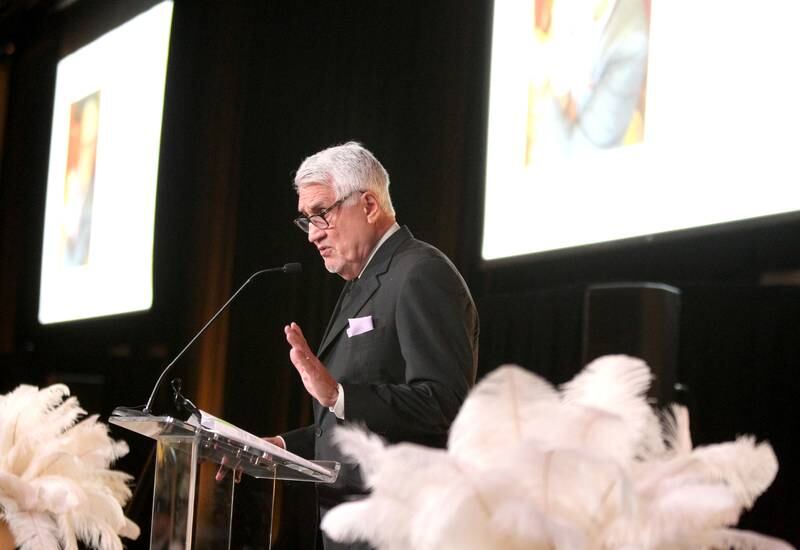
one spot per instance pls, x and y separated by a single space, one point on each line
226 429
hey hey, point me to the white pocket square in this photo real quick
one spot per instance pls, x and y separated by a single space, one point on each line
359 325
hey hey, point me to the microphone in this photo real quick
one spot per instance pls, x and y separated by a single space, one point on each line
289 269
183 403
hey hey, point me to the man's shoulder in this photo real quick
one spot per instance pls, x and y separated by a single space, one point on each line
419 259
414 250
406 256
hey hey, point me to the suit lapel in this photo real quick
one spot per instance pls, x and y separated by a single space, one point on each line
363 289
337 308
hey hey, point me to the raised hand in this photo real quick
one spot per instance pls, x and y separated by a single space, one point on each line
318 381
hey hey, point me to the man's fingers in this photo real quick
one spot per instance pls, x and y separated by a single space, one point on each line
295 336
222 471
300 360
275 440
294 328
312 372
298 342
299 330
303 360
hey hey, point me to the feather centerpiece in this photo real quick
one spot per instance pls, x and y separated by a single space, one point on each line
589 465
55 483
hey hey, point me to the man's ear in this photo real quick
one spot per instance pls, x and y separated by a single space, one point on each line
370 206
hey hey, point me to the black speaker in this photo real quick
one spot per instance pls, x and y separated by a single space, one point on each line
637 319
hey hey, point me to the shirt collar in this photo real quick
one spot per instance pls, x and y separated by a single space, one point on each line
389 232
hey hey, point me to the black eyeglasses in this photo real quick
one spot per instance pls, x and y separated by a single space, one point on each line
320 219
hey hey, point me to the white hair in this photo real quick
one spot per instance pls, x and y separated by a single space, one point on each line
346 168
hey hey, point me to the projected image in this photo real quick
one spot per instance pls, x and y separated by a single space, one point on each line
97 247
76 222
588 68
611 120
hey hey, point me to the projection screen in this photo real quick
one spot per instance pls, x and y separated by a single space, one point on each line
615 119
97 251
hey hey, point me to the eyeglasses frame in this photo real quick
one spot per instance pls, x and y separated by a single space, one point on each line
305 222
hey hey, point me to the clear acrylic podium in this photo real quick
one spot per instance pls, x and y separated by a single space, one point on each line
191 508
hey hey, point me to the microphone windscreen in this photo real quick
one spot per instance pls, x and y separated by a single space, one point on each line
292 268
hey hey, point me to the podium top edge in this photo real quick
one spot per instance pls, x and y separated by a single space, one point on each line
252 459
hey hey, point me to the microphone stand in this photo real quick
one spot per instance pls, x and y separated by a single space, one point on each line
289 268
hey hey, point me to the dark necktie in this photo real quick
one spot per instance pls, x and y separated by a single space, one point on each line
344 299
349 292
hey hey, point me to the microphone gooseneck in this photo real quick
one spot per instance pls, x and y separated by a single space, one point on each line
290 268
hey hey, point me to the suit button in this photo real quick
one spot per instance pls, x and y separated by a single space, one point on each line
318 432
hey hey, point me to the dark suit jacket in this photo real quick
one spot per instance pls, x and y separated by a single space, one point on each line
405 379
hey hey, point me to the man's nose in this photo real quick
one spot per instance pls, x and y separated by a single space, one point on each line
314 233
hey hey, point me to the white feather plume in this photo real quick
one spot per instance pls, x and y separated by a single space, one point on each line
514 394
55 483
736 539
589 466
362 446
618 385
382 521
33 530
677 435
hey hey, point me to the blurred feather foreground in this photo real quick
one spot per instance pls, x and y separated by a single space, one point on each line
55 483
588 466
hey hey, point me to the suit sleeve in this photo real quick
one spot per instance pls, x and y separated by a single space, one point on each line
437 329
300 442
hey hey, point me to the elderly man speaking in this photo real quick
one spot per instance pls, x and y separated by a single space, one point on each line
400 351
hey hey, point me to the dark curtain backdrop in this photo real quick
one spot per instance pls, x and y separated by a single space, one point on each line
253 88
739 353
